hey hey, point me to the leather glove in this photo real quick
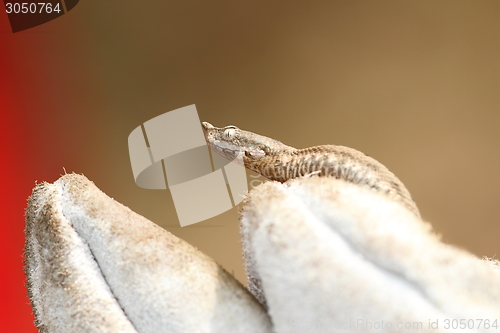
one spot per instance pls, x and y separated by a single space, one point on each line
321 255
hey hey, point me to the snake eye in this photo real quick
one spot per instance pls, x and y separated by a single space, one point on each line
229 133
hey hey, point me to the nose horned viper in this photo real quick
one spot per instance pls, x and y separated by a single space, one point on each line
277 161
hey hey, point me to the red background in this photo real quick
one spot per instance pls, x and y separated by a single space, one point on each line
17 173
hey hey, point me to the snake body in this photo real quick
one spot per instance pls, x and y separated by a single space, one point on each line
277 161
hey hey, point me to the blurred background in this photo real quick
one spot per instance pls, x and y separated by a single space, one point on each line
414 84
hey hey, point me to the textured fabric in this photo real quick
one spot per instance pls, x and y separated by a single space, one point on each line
324 255
93 265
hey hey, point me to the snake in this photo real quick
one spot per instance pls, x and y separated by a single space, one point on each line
276 161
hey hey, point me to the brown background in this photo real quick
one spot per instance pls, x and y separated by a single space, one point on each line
415 84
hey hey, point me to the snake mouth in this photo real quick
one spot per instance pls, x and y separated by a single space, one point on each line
226 150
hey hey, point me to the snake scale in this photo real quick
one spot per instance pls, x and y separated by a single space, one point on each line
277 161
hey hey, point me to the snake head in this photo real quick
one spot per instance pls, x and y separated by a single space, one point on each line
231 142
